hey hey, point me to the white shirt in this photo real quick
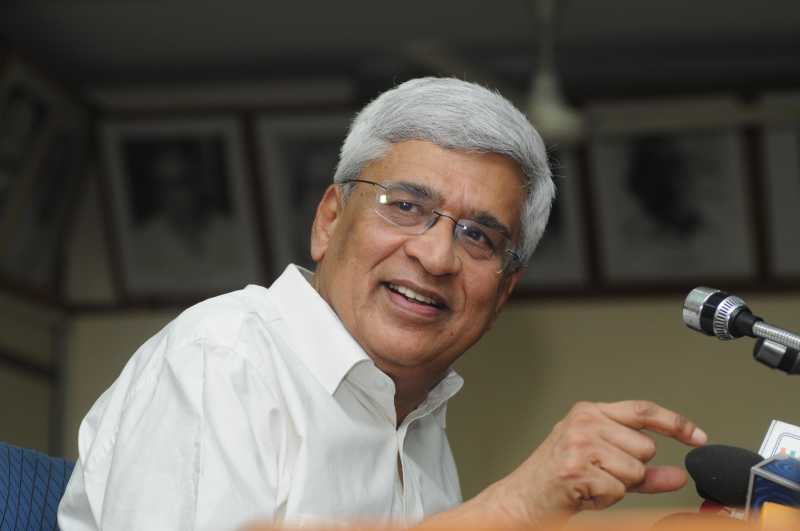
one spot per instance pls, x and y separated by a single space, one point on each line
257 404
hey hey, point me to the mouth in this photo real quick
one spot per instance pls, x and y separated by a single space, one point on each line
416 297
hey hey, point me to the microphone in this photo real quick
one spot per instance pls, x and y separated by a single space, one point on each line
716 313
722 473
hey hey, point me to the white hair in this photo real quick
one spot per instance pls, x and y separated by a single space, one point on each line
459 115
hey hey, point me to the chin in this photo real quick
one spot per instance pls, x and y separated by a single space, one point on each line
397 356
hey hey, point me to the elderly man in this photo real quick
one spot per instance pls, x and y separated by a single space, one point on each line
322 398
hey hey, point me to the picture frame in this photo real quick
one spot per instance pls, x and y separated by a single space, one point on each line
180 190
43 142
780 145
670 186
32 251
297 157
560 261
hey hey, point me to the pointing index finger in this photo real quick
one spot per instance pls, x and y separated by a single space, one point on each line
643 414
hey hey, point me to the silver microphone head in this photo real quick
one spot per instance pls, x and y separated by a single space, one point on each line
711 311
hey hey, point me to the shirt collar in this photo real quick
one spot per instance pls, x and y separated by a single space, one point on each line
436 401
322 342
325 346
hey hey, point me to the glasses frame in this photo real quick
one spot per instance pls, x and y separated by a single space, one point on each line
509 265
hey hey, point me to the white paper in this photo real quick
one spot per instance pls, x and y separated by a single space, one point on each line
782 438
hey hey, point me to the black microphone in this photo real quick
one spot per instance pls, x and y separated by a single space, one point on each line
716 313
722 473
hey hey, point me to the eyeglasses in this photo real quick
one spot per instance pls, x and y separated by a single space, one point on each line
411 208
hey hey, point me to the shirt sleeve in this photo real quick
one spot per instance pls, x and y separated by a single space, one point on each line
189 437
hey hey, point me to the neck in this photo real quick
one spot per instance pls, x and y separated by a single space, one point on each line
410 392
403 406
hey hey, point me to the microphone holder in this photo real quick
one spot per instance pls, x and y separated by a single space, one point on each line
777 356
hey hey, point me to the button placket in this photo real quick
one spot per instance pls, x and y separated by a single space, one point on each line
400 437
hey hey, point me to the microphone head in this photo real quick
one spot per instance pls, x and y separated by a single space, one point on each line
722 473
711 312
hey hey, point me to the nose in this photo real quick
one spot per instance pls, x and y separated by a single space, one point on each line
435 249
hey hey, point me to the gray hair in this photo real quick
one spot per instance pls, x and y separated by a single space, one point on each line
454 114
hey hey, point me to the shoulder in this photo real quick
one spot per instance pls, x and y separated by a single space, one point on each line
221 321
223 327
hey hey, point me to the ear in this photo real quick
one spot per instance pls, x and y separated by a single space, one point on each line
329 212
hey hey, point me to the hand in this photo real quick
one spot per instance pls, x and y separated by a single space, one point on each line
591 459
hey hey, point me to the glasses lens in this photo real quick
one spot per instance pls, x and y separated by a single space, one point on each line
479 241
404 207
511 262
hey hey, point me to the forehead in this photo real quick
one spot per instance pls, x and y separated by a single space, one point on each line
465 183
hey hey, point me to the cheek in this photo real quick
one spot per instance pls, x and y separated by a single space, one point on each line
483 294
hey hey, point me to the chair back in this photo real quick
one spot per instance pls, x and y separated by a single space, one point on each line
31 486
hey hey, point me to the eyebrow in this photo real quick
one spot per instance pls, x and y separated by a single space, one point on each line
418 189
488 220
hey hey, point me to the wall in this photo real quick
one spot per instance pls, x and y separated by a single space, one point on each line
29 387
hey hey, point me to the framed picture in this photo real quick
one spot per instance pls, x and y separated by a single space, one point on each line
180 191
560 260
28 105
43 135
298 157
781 149
32 250
669 182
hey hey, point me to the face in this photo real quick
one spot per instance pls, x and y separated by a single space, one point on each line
368 268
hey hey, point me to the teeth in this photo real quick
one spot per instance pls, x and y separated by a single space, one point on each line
411 294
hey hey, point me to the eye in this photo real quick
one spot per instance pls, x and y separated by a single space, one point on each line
406 206
476 236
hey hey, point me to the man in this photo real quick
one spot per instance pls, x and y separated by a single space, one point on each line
323 398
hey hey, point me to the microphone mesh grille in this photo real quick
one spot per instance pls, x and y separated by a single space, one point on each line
722 317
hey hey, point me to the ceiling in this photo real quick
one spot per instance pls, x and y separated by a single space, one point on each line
611 45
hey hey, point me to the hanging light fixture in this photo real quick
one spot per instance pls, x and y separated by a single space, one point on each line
546 107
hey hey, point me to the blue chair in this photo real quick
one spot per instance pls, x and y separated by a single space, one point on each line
31 485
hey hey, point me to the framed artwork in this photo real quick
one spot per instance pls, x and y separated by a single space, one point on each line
669 183
298 157
32 250
560 260
43 141
28 106
781 149
180 191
